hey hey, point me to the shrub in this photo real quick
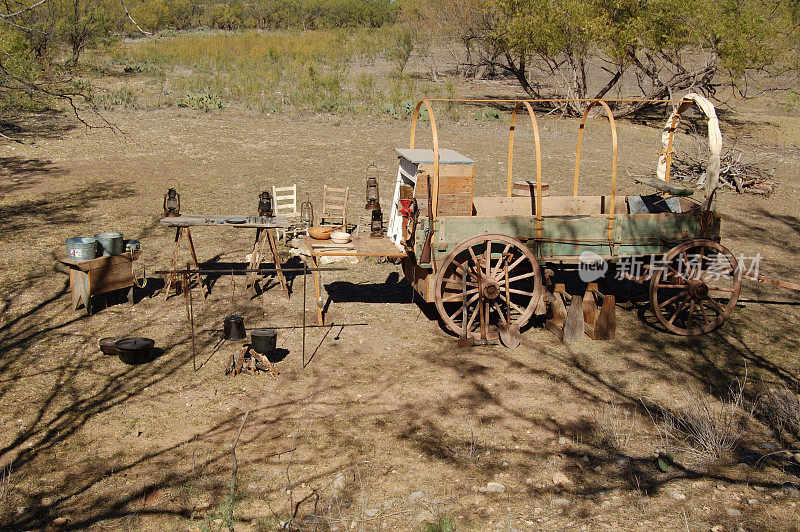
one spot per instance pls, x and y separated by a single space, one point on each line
706 431
781 408
488 113
400 49
202 102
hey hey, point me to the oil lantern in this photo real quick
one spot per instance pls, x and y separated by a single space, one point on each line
373 194
265 204
374 201
307 212
376 225
172 203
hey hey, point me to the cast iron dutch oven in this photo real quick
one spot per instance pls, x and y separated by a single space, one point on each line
264 341
135 350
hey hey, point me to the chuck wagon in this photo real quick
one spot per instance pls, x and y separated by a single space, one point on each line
487 262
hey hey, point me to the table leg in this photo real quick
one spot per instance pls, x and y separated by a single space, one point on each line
75 287
255 258
273 245
196 264
173 264
318 299
86 292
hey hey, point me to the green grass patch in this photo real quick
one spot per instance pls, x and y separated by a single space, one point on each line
266 70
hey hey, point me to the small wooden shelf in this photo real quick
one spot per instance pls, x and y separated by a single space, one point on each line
98 276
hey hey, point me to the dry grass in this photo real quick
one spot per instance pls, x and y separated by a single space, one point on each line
616 424
264 70
706 430
781 408
5 486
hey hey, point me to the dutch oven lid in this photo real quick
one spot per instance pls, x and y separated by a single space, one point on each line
233 317
135 343
263 332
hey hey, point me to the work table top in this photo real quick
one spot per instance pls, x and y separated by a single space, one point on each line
218 220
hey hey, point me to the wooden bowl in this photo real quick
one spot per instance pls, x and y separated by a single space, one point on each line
320 232
340 237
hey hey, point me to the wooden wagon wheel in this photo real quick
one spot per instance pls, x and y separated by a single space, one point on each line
695 288
495 265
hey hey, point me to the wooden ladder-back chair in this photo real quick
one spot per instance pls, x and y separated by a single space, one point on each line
334 206
285 199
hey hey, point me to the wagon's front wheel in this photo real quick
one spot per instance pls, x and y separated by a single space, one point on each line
501 274
695 287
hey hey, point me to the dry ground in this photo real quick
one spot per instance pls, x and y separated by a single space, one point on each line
389 424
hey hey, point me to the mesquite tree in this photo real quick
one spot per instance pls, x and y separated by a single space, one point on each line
651 49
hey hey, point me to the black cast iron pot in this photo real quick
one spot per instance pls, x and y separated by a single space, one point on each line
135 350
233 327
264 341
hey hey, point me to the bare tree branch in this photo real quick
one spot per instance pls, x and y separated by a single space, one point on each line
131 18
24 9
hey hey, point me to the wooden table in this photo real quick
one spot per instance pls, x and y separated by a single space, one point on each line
266 239
362 246
98 276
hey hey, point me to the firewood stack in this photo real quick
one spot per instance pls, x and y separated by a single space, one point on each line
246 360
734 173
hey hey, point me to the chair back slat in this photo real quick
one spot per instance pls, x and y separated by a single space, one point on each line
334 205
285 199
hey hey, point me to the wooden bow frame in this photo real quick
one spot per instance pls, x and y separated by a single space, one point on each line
682 105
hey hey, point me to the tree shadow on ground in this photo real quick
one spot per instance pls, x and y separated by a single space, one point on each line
51 124
19 173
60 209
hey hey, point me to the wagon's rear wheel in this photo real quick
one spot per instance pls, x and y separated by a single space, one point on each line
502 274
695 288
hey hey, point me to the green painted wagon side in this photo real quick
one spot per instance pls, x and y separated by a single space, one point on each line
564 238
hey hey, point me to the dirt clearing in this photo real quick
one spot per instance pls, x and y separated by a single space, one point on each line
389 424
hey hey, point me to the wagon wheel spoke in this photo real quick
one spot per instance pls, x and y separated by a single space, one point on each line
520 292
458 312
458 296
716 304
704 312
469 268
673 298
677 274
458 283
500 312
500 260
516 307
678 309
686 261
688 319
520 277
471 320
516 262
474 259
668 285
